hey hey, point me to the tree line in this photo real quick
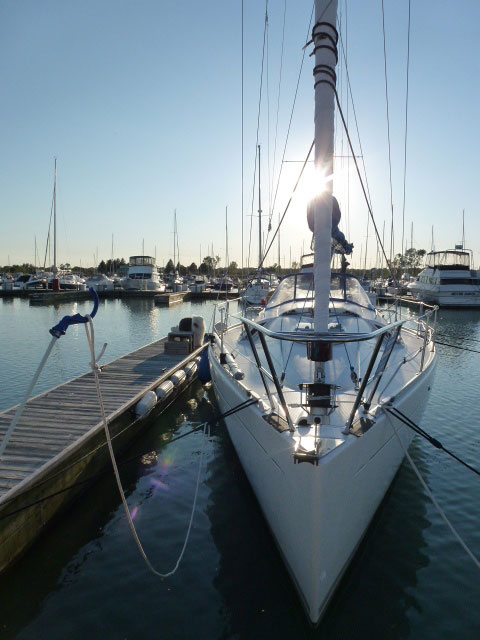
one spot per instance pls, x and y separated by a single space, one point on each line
410 262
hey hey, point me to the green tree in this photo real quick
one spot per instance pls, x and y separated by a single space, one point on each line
209 264
169 268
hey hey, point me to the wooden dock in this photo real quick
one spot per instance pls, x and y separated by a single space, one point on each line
41 297
59 442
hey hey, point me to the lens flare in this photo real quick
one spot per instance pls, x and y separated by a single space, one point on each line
313 183
158 484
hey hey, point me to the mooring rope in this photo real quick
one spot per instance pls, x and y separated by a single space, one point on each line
431 496
22 405
206 433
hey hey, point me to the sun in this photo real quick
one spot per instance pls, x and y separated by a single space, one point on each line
312 183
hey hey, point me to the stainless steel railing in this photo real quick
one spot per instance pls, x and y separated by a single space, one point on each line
386 336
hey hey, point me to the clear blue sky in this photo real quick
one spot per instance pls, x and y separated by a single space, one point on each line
141 104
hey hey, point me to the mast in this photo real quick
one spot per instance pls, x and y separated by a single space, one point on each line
383 242
226 239
55 221
174 239
259 213
279 264
55 283
324 39
178 246
463 229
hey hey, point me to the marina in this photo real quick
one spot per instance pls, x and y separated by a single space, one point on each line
238 377
409 563
59 441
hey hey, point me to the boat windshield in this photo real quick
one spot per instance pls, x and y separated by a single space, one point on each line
300 286
142 261
459 259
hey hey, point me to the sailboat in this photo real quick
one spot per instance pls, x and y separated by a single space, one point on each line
258 288
176 281
310 381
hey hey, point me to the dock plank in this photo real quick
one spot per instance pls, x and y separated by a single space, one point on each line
56 418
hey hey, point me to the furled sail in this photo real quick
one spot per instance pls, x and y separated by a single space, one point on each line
339 242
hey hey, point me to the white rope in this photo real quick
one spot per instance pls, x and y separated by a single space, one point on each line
432 498
21 407
89 330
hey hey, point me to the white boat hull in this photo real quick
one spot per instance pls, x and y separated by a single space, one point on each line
449 298
318 514
143 285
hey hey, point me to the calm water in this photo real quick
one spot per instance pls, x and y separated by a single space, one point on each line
85 578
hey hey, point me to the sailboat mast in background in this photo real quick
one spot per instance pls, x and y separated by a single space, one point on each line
259 213
55 283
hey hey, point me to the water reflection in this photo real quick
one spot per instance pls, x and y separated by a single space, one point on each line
89 552
86 578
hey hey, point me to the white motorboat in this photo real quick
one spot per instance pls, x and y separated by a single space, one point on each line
199 284
39 280
100 282
67 281
178 283
311 384
143 275
21 281
448 280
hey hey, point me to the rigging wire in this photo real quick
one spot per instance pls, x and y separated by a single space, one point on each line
242 65
406 129
47 244
348 159
363 186
278 101
350 94
258 128
288 204
349 86
388 130
268 126
291 114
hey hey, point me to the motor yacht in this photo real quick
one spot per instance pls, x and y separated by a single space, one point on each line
143 275
448 280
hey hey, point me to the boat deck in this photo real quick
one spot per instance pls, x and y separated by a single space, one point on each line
54 421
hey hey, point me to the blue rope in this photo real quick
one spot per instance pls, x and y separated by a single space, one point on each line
60 329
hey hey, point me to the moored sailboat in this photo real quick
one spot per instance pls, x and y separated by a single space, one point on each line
316 371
